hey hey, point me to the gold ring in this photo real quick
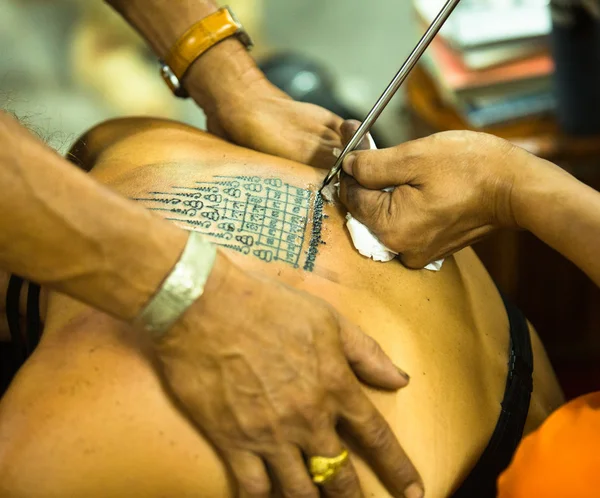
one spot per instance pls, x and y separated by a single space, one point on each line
322 469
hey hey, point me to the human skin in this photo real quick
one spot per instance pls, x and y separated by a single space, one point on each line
240 104
40 209
61 228
455 187
105 408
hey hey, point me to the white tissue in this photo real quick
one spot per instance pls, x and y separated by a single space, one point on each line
367 244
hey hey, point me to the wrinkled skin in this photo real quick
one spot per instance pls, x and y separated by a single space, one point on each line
443 198
291 369
266 119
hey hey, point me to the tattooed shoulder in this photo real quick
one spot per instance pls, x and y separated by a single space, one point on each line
261 217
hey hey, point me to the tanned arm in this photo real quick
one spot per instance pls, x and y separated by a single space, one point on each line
224 72
561 211
240 104
60 228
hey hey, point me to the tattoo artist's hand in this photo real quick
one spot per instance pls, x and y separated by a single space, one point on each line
451 189
242 106
266 119
268 372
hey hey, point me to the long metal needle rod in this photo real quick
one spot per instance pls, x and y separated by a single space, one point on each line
392 88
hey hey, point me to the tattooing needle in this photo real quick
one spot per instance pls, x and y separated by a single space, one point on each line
392 88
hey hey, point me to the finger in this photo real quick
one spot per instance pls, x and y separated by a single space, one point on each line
250 474
378 169
345 483
368 361
380 446
291 472
367 206
419 258
329 143
348 129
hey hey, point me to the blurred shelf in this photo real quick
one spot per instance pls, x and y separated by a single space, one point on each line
540 135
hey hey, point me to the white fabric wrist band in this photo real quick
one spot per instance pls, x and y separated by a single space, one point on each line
181 288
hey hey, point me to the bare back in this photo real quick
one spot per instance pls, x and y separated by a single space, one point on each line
95 406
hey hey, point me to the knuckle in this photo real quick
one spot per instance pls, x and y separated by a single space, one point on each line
372 347
390 239
414 260
362 168
255 485
258 429
411 262
305 410
409 238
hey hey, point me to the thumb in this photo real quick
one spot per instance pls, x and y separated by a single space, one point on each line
368 361
378 169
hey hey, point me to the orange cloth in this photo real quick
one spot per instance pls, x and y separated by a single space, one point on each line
562 458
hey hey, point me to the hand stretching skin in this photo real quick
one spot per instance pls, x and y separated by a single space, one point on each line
453 188
269 383
266 119
239 102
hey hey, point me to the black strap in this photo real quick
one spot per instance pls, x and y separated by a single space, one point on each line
20 347
34 321
481 481
12 353
13 297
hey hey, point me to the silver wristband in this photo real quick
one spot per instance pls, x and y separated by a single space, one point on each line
181 288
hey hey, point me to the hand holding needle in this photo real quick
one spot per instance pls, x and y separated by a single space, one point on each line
392 88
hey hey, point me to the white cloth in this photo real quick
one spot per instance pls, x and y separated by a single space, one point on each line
367 244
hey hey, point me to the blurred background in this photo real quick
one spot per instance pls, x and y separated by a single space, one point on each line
80 64
525 70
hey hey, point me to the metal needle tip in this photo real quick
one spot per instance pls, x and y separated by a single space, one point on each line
392 88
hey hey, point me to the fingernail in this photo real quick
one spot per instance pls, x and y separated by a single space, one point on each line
415 490
348 162
337 152
403 373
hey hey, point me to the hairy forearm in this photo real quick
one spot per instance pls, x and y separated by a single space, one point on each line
62 229
563 212
226 71
162 22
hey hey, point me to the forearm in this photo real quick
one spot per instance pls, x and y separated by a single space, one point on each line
563 212
225 71
60 228
162 22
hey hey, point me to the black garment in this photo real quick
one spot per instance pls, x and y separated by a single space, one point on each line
14 353
481 481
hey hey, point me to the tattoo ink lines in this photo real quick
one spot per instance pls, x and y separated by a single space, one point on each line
264 217
316 232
